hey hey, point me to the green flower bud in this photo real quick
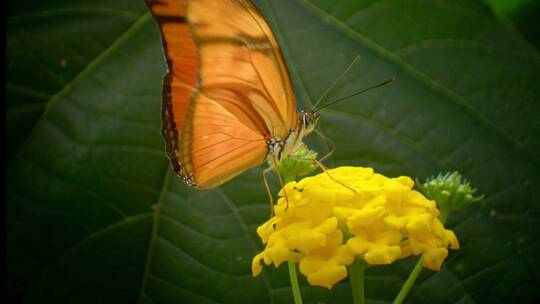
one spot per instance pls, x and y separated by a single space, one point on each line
299 164
451 192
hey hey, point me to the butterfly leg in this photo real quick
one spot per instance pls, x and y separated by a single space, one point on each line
275 165
267 186
325 170
327 155
330 143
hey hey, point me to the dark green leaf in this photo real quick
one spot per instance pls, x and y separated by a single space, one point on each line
96 216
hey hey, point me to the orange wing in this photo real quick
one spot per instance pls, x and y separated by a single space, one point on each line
227 89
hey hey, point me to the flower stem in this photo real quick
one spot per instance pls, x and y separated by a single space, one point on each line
356 275
294 283
410 281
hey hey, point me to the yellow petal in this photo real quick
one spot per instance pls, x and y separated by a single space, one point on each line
328 226
454 243
278 254
395 222
256 265
380 254
358 245
327 276
306 241
405 181
265 230
363 218
433 258
310 264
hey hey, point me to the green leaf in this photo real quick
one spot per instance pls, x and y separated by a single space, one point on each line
96 216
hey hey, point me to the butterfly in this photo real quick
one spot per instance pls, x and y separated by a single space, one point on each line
228 102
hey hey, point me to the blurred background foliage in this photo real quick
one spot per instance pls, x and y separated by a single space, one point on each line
525 14
94 214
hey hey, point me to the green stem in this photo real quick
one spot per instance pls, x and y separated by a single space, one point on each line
356 275
293 277
415 272
294 283
410 281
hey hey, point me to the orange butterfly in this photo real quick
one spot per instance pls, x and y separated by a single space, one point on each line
228 103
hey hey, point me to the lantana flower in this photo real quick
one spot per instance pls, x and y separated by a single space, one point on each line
325 222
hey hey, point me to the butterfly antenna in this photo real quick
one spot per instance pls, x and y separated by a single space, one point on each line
357 93
336 81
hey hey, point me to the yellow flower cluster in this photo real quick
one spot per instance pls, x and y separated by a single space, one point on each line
324 226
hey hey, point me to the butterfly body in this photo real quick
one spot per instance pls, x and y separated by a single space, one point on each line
281 148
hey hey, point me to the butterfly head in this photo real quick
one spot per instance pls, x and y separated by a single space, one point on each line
307 120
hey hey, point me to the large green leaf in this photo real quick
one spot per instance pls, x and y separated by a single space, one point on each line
96 216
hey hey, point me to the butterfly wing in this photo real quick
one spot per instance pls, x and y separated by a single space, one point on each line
227 89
